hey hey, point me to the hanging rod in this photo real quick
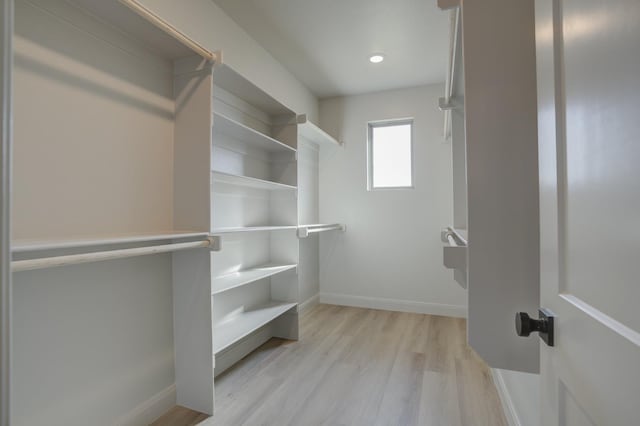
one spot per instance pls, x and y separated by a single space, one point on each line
453 237
304 231
454 17
150 16
73 259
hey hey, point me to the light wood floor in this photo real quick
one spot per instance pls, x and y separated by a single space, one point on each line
357 366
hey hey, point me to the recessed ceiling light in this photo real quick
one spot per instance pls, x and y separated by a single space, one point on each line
376 58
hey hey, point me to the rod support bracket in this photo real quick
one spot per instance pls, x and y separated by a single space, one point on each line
215 242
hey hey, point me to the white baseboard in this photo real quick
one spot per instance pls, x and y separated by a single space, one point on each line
150 409
309 303
510 412
394 305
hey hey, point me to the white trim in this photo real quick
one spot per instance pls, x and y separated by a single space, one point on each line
309 303
394 305
510 412
6 134
150 409
389 123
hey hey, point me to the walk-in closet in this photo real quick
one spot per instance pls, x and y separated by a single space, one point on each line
292 212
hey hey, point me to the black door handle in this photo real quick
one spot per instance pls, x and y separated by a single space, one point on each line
525 325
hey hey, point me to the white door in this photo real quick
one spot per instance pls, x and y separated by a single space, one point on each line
588 59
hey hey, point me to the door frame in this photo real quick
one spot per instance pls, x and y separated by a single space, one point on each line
6 134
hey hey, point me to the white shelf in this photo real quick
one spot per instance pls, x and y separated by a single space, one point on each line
229 332
21 246
252 229
310 131
231 81
246 134
122 17
249 182
247 276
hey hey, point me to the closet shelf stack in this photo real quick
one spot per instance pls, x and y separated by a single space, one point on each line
254 188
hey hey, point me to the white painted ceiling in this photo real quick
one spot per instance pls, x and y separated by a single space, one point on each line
326 44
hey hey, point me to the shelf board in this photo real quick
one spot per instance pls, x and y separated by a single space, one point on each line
231 331
123 18
247 276
250 182
234 129
22 246
252 229
230 80
310 131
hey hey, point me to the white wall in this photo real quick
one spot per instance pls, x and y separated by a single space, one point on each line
391 255
206 23
520 396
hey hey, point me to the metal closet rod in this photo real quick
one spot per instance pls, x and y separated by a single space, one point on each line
304 231
147 14
74 259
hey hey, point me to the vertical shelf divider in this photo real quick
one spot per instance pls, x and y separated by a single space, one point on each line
192 303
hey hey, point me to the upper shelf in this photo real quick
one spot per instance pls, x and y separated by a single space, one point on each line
246 134
226 77
140 23
310 131
23 246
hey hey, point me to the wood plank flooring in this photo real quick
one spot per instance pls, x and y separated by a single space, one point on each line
357 366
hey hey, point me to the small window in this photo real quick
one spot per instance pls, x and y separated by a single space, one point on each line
390 158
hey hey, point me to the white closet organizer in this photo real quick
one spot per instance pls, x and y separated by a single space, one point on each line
254 208
265 195
158 196
112 151
452 104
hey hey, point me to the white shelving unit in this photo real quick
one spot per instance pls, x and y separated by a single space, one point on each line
112 163
147 139
254 210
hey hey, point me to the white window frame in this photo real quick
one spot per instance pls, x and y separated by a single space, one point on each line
385 123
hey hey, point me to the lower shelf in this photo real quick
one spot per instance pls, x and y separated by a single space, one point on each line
230 332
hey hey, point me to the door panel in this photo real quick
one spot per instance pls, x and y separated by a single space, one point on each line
601 67
588 59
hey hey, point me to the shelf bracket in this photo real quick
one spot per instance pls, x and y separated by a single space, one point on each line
453 104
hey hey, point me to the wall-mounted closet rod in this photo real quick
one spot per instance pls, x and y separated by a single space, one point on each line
451 65
73 259
304 231
150 16
453 237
